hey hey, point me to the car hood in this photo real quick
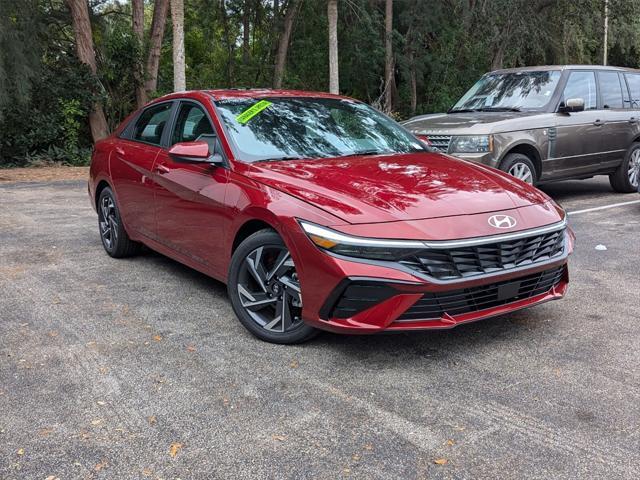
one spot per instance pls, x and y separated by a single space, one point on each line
465 123
387 188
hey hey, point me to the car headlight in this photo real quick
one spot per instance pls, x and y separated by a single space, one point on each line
471 144
360 247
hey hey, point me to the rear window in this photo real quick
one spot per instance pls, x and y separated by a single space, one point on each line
610 89
633 80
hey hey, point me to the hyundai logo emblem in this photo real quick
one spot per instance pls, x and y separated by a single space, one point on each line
502 221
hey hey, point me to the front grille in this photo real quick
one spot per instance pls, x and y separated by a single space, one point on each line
433 306
441 142
463 262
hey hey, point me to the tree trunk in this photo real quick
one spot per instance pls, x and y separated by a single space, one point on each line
498 58
229 41
177 20
388 57
137 10
332 15
84 48
246 12
414 82
160 11
283 43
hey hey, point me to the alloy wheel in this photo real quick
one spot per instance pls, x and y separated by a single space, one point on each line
634 168
522 172
269 289
108 222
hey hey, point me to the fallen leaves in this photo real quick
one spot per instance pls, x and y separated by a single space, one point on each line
45 432
280 438
147 472
99 466
97 421
174 449
20 451
152 420
157 338
450 442
294 363
52 477
191 348
441 461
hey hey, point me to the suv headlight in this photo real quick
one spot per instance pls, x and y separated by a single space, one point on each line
471 144
360 247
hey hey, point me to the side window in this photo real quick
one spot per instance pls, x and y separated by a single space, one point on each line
191 123
582 85
633 80
610 89
151 123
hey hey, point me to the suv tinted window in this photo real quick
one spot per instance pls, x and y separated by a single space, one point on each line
633 80
610 89
151 123
190 124
582 85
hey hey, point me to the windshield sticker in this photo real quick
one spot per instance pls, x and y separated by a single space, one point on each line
251 112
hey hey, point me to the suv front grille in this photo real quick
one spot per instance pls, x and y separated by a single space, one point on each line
441 142
463 262
433 306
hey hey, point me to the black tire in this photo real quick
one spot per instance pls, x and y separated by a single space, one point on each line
620 180
262 247
518 160
114 237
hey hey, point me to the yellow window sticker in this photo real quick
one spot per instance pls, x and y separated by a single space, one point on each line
252 111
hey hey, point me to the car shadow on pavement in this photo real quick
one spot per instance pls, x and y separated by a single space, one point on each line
387 349
576 189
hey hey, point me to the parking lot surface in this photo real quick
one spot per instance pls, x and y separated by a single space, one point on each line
137 368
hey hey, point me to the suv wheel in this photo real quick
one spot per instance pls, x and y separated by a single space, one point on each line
114 237
265 292
521 167
627 177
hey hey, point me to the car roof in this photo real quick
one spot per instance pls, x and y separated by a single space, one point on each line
546 68
224 94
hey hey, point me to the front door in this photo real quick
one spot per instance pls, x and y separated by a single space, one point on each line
190 209
578 144
132 164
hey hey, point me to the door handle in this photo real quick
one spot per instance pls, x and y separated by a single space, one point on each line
598 123
633 120
119 151
162 169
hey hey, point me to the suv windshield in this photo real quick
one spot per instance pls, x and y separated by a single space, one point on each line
514 91
294 127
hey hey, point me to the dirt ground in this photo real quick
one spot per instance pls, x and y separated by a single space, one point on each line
43 174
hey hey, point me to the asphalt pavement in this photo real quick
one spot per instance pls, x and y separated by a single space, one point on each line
137 368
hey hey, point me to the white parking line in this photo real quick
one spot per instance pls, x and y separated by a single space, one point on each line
604 207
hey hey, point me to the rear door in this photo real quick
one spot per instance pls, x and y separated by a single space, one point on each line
132 163
618 130
578 144
190 209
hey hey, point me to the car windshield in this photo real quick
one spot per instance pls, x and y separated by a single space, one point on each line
516 91
284 128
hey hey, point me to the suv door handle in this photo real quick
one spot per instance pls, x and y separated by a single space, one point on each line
162 169
120 151
598 123
633 120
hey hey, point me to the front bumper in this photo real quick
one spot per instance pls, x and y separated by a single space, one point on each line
347 296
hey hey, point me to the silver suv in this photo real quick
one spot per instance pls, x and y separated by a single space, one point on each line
543 124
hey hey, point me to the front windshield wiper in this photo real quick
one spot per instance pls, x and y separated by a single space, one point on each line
499 109
278 159
462 110
364 153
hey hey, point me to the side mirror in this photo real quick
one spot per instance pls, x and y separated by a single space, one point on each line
572 105
193 152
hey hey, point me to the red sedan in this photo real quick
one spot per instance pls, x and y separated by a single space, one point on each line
319 212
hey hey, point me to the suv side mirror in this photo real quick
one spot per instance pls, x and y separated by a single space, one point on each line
572 105
193 152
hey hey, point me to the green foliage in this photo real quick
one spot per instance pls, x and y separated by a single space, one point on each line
46 96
